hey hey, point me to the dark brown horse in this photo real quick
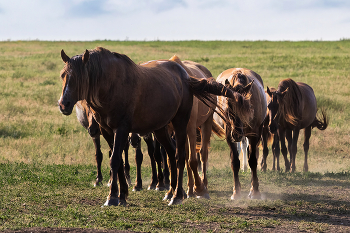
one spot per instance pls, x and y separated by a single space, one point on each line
250 83
268 138
293 107
126 97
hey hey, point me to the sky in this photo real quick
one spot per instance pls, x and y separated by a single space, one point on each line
171 20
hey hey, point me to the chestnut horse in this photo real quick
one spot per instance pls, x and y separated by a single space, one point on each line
201 117
293 107
246 82
126 97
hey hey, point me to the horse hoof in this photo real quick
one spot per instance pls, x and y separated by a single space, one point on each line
152 187
254 195
167 197
122 202
236 196
175 201
161 188
136 189
190 194
111 202
205 196
97 183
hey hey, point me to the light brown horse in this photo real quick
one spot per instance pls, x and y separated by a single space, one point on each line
246 82
201 117
293 107
126 97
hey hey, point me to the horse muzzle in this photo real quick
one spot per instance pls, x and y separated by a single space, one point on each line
65 108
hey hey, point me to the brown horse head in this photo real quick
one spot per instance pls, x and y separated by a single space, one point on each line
284 104
71 93
273 103
240 84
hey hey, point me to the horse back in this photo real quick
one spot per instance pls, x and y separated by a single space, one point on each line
159 94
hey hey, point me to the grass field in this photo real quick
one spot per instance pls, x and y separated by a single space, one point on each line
47 159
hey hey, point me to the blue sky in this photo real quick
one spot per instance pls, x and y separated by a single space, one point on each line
175 20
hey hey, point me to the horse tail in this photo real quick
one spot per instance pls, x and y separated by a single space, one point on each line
216 129
203 88
321 123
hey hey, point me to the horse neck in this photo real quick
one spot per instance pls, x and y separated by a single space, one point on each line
110 83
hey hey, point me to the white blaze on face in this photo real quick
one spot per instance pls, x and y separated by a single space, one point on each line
66 90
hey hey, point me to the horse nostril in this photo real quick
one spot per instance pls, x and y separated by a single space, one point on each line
67 104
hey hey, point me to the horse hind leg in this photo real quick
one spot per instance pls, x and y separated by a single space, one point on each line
199 188
99 158
126 164
151 153
163 137
166 173
307 133
204 152
135 141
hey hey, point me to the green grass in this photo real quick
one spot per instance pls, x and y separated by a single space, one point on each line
36 195
47 164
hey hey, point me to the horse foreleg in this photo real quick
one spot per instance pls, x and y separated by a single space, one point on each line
120 139
307 133
235 165
265 135
276 151
281 134
99 158
294 147
253 163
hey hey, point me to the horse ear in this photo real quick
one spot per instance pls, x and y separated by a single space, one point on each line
247 88
284 92
269 92
86 57
227 82
64 56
